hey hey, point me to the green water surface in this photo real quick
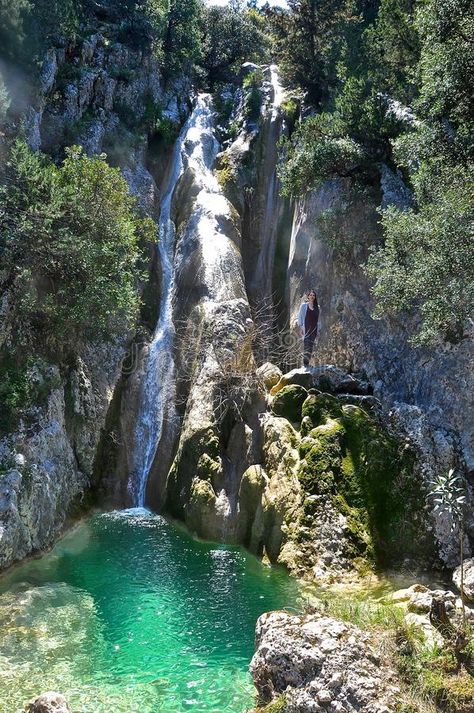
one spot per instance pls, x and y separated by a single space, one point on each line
129 613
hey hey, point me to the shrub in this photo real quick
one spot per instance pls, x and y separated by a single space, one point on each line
317 153
70 239
427 261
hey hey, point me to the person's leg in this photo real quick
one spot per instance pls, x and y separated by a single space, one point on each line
308 349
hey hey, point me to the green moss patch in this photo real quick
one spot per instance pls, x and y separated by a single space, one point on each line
289 402
348 457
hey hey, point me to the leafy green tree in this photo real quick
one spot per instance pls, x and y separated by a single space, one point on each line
182 42
447 62
28 26
230 35
392 49
309 39
320 150
427 260
69 240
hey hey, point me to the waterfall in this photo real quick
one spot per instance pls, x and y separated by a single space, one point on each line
157 397
261 282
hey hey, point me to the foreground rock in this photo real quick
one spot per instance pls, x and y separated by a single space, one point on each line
320 664
468 584
50 702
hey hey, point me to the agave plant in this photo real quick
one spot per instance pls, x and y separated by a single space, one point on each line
449 498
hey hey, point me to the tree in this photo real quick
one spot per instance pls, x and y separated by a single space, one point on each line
181 43
449 500
427 260
308 41
392 48
69 240
230 35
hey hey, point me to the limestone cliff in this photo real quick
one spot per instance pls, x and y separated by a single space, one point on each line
94 93
427 392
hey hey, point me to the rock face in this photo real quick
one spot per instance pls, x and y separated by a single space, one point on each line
49 703
87 93
320 664
468 584
48 467
427 391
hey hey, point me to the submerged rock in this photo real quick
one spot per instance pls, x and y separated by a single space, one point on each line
50 702
320 664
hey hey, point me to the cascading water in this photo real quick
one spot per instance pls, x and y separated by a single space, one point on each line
157 401
270 190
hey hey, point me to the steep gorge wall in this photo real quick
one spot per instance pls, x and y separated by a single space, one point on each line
426 392
94 93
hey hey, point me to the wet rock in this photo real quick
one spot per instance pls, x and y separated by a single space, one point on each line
281 499
319 663
289 401
468 568
50 702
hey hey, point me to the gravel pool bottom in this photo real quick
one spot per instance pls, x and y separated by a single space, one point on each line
128 613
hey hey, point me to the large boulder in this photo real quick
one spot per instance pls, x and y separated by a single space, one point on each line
320 664
468 584
300 377
50 702
289 401
270 374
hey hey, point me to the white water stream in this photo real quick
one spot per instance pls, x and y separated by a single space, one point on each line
158 384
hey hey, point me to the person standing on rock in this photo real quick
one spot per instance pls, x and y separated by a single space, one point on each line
308 317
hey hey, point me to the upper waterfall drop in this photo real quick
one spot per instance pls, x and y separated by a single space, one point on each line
278 90
157 402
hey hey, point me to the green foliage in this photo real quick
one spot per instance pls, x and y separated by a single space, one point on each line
70 248
253 93
22 385
392 44
28 26
433 673
447 62
427 261
181 44
319 151
231 34
308 39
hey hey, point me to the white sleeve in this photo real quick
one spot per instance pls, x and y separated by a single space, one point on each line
301 315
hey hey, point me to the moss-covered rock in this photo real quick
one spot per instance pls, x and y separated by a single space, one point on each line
199 455
289 401
319 407
250 520
200 509
351 462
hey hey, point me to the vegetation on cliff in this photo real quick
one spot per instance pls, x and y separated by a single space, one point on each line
360 65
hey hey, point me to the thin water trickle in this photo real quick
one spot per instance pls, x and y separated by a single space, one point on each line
129 613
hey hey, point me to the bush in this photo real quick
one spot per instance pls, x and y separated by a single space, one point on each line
319 152
70 240
427 261
22 385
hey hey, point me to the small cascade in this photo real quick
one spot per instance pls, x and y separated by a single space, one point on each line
157 399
